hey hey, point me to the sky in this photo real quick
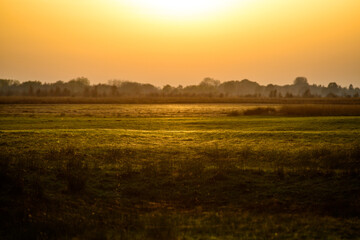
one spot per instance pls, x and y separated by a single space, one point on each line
181 42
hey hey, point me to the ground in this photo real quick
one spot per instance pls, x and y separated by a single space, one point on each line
194 171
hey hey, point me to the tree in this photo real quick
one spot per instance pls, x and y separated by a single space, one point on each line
130 88
115 82
66 92
114 91
289 95
8 82
31 90
331 95
333 85
273 93
87 92
38 92
4 82
80 81
167 89
94 92
57 91
210 82
301 81
307 94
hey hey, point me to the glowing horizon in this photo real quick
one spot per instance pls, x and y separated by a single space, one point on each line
181 42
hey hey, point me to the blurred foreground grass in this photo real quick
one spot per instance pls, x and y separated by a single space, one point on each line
158 175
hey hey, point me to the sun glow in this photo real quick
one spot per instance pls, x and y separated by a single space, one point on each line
183 8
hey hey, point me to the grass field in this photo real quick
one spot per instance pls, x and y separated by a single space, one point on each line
197 171
174 100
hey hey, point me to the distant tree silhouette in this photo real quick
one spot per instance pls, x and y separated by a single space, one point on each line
57 91
208 87
87 92
332 95
8 82
301 81
273 93
210 82
307 94
167 90
114 91
289 95
80 81
66 92
333 85
31 90
38 92
94 92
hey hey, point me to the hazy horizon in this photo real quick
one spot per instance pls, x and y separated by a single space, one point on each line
176 85
268 42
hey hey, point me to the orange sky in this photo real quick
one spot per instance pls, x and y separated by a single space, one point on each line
268 41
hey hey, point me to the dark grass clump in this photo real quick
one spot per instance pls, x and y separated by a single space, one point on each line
308 110
234 113
304 110
260 111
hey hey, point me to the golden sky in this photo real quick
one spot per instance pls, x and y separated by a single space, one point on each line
181 42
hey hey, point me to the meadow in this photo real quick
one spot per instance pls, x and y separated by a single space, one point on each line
179 171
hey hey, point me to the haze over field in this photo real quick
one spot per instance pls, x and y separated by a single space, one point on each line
181 42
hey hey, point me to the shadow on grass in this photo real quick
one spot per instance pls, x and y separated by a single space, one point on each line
63 194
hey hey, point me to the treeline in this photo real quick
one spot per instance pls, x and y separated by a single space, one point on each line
81 87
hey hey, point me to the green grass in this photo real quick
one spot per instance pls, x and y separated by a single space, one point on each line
176 172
